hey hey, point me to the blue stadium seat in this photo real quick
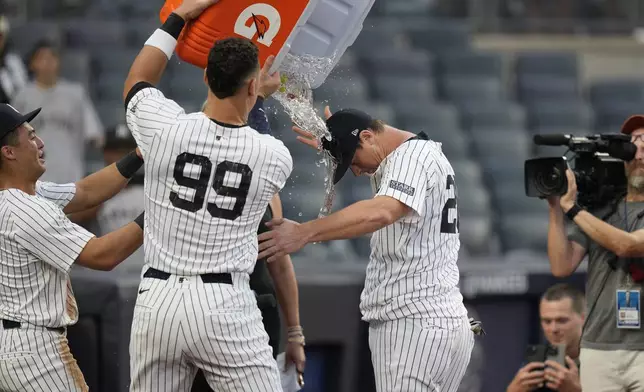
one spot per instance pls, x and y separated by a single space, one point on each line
468 170
565 115
23 37
462 90
473 198
610 92
76 66
85 33
525 231
402 62
469 63
510 198
111 113
476 233
401 90
610 116
109 87
495 115
454 143
537 88
511 144
435 116
440 36
547 64
113 61
380 36
335 91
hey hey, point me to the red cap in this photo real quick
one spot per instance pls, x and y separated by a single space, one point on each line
633 123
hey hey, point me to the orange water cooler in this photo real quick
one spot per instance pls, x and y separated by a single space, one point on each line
320 28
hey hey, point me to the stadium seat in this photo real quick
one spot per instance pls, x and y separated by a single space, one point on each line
435 117
24 36
113 61
454 143
440 36
502 168
466 89
471 64
85 33
109 87
187 88
538 88
547 64
403 7
111 113
566 115
473 198
398 62
510 198
610 116
617 91
467 169
476 233
138 33
376 37
502 144
525 231
76 66
495 115
402 90
334 91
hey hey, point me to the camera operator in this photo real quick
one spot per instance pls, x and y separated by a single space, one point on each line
613 237
561 311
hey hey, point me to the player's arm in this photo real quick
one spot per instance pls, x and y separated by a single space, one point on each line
50 235
104 184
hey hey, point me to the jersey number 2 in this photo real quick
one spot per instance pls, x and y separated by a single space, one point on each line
199 185
447 226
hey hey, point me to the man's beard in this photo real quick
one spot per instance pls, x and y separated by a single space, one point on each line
636 183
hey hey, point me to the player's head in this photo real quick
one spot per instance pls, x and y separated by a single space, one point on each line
561 311
233 70
118 143
21 151
354 142
634 126
44 62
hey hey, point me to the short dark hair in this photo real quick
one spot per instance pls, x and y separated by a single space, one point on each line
10 139
230 62
563 290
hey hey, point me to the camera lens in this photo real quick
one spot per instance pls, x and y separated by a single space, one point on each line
549 180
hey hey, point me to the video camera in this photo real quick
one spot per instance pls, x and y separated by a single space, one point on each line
598 166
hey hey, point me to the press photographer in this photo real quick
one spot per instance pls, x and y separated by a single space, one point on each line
561 312
608 227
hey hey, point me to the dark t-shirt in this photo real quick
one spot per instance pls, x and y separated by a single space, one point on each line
601 332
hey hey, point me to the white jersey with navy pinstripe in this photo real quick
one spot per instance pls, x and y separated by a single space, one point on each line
207 186
412 272
38 245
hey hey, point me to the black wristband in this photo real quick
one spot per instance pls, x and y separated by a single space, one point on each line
173 25
129 164
139 220
573 211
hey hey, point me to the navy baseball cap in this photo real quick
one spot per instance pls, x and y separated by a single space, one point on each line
10 118
345 127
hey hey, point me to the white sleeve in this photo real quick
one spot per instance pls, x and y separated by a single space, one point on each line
148 114
46 232
406 180
61 194
283 166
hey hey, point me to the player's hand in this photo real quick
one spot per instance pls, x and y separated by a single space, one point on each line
568 200
190 9
139 153
307 137
285 237
528 378
295 354
269 82
558 378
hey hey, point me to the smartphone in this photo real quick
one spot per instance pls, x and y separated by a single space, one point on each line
535 353
556 353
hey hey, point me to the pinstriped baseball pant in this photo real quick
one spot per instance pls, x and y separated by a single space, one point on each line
416 355
36 359
183 324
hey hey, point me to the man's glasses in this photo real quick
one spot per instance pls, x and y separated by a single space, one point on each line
637 137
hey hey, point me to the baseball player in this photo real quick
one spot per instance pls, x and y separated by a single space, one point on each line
209 178
419 333
38 245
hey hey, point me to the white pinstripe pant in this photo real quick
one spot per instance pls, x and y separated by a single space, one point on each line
416 355
36 359
182 324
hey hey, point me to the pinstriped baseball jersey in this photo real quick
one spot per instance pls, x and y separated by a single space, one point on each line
412 272
207 186
38 246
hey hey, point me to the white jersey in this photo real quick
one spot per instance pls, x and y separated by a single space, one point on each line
412 271
38 245
207 186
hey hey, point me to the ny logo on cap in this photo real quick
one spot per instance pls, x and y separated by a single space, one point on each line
355 132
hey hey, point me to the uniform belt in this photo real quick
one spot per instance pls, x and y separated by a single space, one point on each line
206 278
10 324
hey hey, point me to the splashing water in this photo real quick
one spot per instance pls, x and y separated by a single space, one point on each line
296 97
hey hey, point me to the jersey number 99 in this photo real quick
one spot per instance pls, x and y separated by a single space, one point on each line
200 185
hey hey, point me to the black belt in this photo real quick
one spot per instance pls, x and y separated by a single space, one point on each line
10 324
206 278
